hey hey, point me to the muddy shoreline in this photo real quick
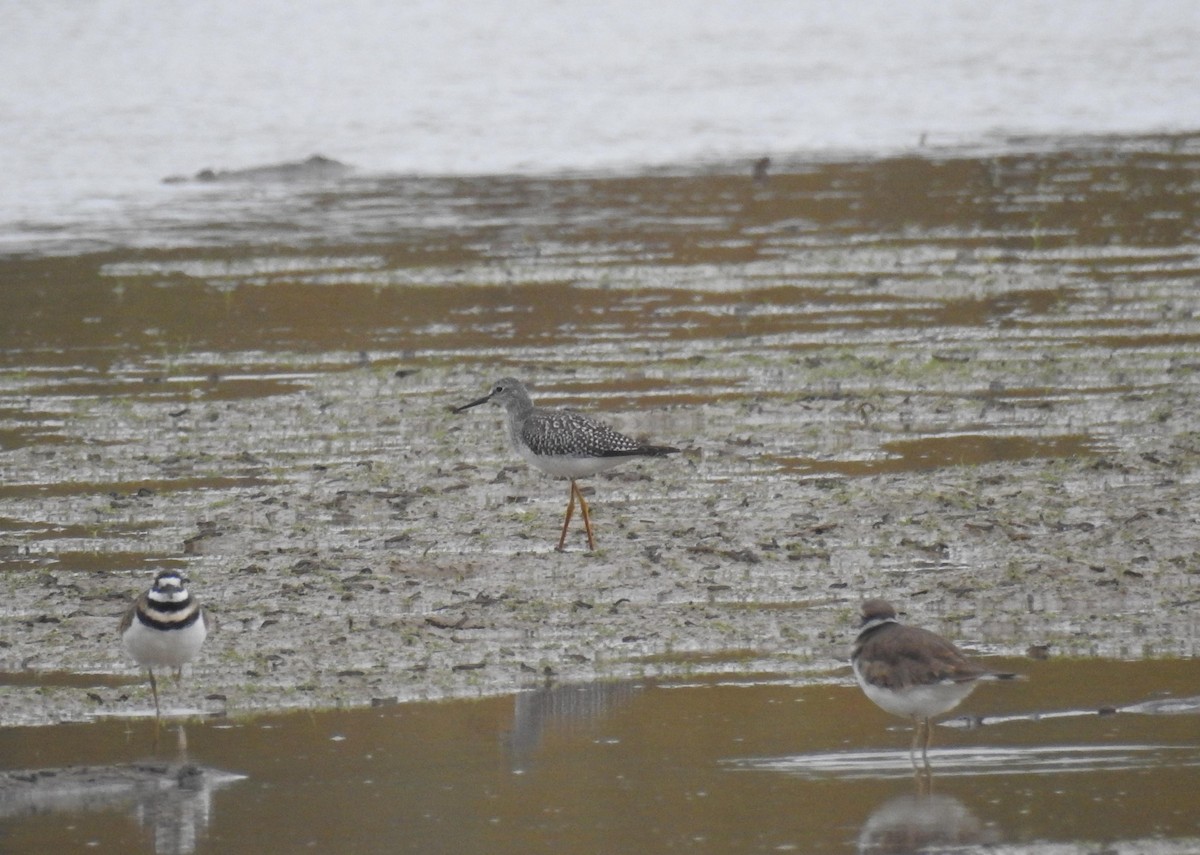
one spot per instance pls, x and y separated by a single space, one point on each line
968 384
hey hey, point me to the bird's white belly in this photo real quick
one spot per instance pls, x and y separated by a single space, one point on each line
917 701
567 466
164 649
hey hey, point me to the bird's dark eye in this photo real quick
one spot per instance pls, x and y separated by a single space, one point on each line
498 388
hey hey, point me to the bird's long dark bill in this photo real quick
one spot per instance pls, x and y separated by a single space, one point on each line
482 400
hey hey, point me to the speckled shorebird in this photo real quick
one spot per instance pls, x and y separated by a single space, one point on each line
912 672
164 628
563 443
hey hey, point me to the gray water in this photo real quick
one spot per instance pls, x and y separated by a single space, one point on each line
103 98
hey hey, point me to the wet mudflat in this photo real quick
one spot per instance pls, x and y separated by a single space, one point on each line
965 381
735 765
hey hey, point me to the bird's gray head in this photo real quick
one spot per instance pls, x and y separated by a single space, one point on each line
504 392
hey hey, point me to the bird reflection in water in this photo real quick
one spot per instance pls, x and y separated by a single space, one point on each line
560 709
917 822
172 800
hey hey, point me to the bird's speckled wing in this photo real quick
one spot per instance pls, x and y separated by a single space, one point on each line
571 434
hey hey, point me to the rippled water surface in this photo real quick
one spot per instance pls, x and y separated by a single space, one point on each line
743 766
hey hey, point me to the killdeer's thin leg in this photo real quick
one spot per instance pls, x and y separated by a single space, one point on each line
925 744
154 691
916 741
566 522
157 711
587 520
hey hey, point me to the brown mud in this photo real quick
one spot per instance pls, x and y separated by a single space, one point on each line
966 381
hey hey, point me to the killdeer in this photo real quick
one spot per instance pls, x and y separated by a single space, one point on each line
563 443
912 672
164 628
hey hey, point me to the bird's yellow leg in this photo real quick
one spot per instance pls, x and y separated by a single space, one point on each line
567 522
587 520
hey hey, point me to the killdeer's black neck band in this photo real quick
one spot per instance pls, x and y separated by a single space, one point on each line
155 623
170 606
873 629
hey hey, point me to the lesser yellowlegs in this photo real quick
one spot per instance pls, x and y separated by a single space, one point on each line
563 443
164 628
912 672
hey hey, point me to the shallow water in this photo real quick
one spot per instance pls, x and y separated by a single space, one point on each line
105 98
708 766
